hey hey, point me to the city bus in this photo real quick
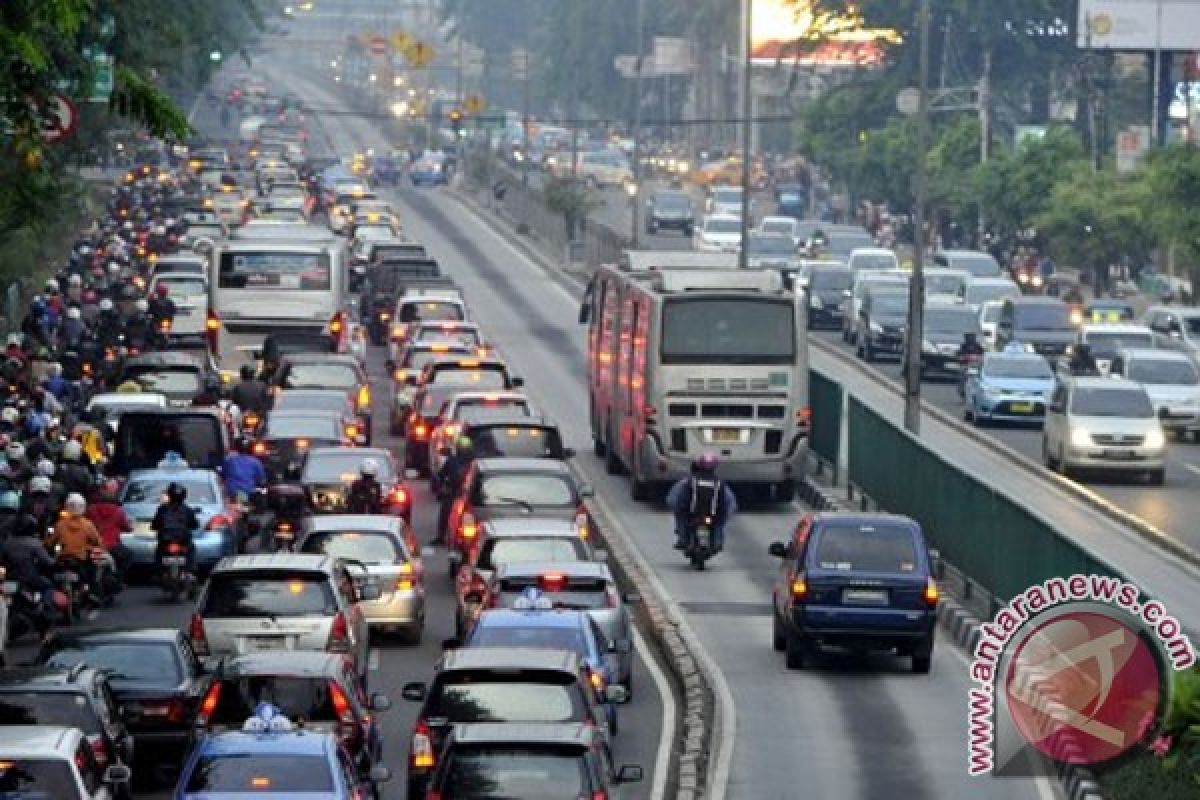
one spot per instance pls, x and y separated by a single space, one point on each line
687 354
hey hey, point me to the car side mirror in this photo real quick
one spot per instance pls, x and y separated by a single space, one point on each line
629 773
568 452
631 598
368 592
777 549
390 365
380 774
380 702
117 773
414 692
616 694
585 313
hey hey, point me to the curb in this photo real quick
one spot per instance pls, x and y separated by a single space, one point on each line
1097 503
963 628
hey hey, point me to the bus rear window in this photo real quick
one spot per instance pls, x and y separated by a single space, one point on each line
275 271
728 331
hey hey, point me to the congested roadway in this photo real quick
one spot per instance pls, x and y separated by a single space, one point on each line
845 729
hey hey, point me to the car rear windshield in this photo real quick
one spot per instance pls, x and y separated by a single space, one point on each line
831 280
491 377
577 593
672 202
430 310
268 593
532 489
342 467
515 442
144 440
874 261
304 401
1123 403
68 709
527 696
152 490
977 294
539 636
981 266
728 331
36 779
714 225
772 245
167 381
951 321
505 403
505 551
866 548
369 547
286 426
245 775
448 334
127 662
1034 368
1106 343
944 284
321 376
305 698
1162 372
890 304
1043 316
530 773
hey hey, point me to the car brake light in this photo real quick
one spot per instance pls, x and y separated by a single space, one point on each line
599 794
217 522
422 747
260 449
352 431
467 527
208 705
335 324
174 547
581 525
450 430
197 635
213 323
799 588
347 724
164 325
284 526
553 581
612 598
931 593
399 496
398 332
339 635
99 750
420 430
596 679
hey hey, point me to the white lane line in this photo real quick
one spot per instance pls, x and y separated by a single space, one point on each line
662 760
373 660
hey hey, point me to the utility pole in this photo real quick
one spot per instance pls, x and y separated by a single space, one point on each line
637 129
914 334
747 106
985 129
458 106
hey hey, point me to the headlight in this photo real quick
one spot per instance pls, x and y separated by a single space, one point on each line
876 327
1081 437
1155 440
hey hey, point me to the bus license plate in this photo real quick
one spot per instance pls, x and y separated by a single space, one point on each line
865 597
1022 408
727 435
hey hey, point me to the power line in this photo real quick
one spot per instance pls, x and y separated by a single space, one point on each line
563 122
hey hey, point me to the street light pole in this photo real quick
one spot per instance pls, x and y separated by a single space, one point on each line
637 130
915 334
747 105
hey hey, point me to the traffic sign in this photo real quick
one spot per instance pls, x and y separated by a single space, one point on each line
419 55
474 104
59 119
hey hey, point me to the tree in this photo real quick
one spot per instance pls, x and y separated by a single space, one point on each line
1172 178
1016 187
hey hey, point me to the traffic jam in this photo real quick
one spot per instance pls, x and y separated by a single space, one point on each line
192 432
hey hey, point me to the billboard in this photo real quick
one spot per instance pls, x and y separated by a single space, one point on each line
789 32
1138 24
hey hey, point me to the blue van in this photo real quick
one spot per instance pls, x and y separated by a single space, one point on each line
860 581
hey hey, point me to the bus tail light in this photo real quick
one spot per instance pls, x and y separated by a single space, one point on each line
422 747
467 527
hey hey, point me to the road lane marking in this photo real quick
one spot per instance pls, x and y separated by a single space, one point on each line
662 759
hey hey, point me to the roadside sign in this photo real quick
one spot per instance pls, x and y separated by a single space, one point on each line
473 104
60 118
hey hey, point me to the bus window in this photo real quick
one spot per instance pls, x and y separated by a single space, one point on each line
275 270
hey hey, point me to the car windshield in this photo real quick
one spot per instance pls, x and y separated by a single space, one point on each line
1043 316
68 709
890 304
1034 368
1162 372
273 593
183 284
36 779
528 489
487 378
515 442
487 697
1193 325
342 467
672 202
1122 403
306 698
539 636
771 246
981 265
977 294
866 548
728 331
953 321
286 426
1107 344
504 773
830 280
431 310
321 376
722 225
944 284
154 490
369 547
245 775
727 196
506 551
874 261
293 400
127 662
167 381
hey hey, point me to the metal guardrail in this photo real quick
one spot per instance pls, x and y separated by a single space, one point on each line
825 396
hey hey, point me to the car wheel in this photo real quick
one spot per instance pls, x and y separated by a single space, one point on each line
412 636
868 351
778 637
641 491
598 447
969 415
785 492
922 658
628 685
795 650
613 726
1046 457
1157 477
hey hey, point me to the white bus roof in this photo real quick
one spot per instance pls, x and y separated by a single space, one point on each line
743 280
280 231
646 260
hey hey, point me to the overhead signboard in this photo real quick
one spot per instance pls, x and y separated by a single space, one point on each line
792 32
1138 24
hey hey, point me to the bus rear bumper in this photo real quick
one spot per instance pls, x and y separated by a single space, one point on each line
655 465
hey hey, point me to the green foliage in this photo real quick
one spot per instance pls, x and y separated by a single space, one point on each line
1016 187
572 199
134 97
953 166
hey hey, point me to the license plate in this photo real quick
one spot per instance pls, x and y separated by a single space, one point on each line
863 597
142 528
1021 408
703 537
1121 455
267 643
174 561
10 587
726 435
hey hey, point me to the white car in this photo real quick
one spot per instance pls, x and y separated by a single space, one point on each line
1172 382
605 168
58 762
873 258
986 290
725 200
719 233
189 292
945 285
1104 424
1105 339
787 226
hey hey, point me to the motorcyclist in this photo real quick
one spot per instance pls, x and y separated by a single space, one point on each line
75 475
174 522
448 480
108 323
366 494
162 314
75 538
138 326
970 347
73 329
111 521
209 394
701 493
242 472
29 563
251 393
1082 362
10 507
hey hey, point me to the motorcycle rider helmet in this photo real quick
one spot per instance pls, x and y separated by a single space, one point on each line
74 280
51 286
142 306
705 464
369 468
10 500
45 467
74 313
108 490
10 415
114 269
89 297
75 504
40 484
247 372
161 290
15 452
106 304
465 443
176 493
72 451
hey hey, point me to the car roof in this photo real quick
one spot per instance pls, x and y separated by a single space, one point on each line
1034 300
962 253
872 251
364 452
524 618
296 742
321 358
485 417
499 394
38 741
293 663
1093 382
185 474
958 273
309 562
115 634
322 523
509 657
864 518
165 358
556 733
1113 327
533 526
1185 311
988 280
578 569
1150 353
148 399
297 393
523 465
41 677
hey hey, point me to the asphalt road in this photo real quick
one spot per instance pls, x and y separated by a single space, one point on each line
845 729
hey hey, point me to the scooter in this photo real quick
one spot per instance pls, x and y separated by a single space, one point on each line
177 580
700 544
968 367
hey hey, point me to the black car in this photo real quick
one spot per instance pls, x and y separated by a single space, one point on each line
944 327
178 375
669 210
505 434
882 320
152 672
77 697
279 344
289 435
828 286
1043 323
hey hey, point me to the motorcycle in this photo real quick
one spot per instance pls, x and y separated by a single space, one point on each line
24 611
108 583
288 505
700 543
177 580
73 593
968 367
